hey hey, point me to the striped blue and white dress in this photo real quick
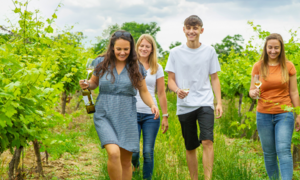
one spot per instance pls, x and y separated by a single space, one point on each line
115 117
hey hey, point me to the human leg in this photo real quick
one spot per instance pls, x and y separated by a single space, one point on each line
266 132
189 133
192 161
150 128
126 164
208 158
136 155
283 137
205 117
114 167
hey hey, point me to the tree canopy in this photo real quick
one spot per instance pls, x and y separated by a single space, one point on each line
228 43
136 30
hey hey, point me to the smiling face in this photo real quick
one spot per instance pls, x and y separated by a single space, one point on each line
192 33
145 49
273 49
122 49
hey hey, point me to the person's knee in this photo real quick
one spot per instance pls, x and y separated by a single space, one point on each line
148 156
113 154
207 144
135 156
284 153
283 147
126 163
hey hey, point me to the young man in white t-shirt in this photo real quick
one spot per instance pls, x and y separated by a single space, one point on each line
194 62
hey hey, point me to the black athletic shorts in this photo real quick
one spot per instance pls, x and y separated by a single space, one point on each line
205 117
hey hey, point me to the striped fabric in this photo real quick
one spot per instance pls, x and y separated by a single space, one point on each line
115 117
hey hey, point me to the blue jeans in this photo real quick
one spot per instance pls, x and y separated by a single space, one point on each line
150 127
275 132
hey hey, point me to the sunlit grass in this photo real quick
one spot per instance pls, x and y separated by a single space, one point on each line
232 161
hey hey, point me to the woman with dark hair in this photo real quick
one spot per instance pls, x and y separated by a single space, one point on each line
278 86
119 75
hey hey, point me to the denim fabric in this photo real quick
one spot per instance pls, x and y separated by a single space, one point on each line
275 132
150 127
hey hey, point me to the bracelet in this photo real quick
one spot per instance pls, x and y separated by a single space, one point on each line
176 90
165 115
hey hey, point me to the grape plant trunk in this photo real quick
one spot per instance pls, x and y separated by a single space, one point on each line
244 119
15 170
296 152
64 102
240 104
38 157
296 156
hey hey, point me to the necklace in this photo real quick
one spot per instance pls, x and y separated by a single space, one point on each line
273 64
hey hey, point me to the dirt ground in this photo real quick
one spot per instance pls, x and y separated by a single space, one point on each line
83 165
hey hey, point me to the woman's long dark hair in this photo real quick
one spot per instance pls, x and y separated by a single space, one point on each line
108 64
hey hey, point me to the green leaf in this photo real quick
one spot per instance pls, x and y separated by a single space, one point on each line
54 16
49 29
2 123
6 94
48 21
10 111
17 10
28 101
16 142
11 86
53 142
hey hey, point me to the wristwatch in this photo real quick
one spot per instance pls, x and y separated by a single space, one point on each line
165 115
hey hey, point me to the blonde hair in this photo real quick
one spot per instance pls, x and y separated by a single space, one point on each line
264 69
153 55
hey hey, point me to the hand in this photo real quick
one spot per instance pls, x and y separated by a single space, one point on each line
181 94
164 125
83 84
254 93
155 111
297 123
219 111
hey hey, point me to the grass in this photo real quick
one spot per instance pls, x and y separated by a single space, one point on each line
77 154
231 161
65 143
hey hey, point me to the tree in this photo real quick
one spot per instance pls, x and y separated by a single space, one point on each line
5 36
136 30
228 43
164 59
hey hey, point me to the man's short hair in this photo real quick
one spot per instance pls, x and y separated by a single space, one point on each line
193 20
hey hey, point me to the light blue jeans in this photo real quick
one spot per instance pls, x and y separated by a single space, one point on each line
275 133
150 127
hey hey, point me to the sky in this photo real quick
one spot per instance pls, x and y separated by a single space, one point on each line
220 17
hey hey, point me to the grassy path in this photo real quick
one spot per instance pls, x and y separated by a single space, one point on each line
77 153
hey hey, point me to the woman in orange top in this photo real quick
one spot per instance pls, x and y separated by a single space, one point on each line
275 126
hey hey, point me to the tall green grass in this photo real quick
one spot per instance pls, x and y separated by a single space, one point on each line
230 123
231 162
64 142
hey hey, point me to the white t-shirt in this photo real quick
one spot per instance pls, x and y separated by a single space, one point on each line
194 65
141 107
